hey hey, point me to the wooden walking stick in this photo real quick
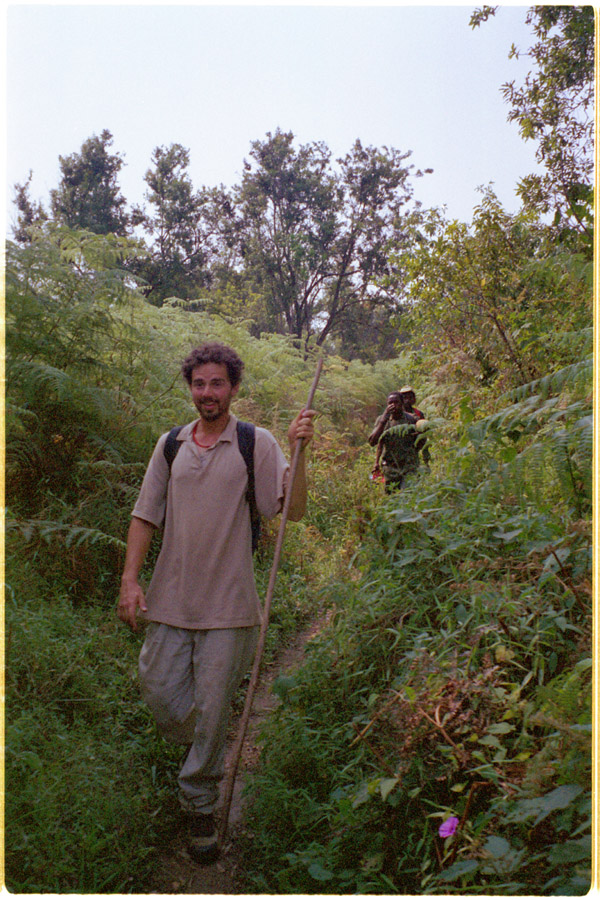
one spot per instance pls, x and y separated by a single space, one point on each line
237 752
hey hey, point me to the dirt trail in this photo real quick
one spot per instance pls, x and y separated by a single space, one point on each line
176 873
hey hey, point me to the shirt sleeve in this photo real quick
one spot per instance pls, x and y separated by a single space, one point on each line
271 474
152 499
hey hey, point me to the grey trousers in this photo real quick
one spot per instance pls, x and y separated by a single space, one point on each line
188 679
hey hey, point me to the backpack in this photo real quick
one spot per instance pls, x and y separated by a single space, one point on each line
245 435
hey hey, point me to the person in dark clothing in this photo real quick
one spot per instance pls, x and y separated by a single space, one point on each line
396 444
399 403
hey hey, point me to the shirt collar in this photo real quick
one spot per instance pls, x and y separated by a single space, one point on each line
226 435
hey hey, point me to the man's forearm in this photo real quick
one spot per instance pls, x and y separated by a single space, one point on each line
301 429
379 427
139 539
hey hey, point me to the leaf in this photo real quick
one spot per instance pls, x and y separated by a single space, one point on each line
317 871
373 863
507 536
32 759
363 795
386 786
461 614
571 851
463 867
504 654
282 686
504 858
406 559
497 846
541 807
490 741
554 560
501 728
403 518
559 798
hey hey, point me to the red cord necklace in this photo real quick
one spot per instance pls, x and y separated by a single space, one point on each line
196 441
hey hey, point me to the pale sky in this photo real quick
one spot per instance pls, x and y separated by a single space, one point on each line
215 78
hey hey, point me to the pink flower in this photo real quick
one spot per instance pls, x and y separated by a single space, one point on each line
448 827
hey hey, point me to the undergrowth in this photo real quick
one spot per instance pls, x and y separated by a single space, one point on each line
453 684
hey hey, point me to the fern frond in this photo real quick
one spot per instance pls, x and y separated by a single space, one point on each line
404 428
16 413
71 535
571 377
562 456
39 375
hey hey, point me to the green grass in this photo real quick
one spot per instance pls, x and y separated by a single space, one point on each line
81 752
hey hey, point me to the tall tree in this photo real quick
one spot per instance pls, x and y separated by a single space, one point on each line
29 212
176 265
315 238
88 195
555 107
374 219
287 202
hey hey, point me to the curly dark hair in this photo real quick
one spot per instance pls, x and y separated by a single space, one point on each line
214 352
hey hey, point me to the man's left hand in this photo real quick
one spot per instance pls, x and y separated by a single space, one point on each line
302 428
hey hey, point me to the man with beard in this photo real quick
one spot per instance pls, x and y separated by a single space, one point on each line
201 605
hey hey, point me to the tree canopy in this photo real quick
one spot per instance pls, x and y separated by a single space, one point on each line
174 265
88 194
555 108
316 237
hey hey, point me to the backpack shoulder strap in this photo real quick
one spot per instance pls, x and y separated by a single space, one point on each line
246 434
172 445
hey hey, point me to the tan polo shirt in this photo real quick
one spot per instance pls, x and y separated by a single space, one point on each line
204 577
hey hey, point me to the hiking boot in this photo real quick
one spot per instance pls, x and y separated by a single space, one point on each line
203 846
